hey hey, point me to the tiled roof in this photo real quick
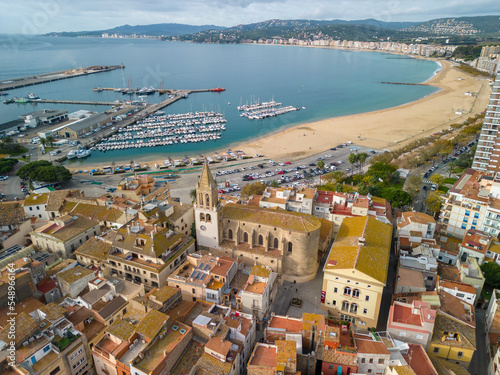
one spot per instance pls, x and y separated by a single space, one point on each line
57 198
179 209
121 329
211 365
112 307
11 213
287 220
94 248
25 324
261 271
152 323
286 352
96 294
80 315
164 293
27 305
53 311
410 278
152 247
365 346
219 345
445 325
206 179
99 213
67 232
404 370
36 199
372 258
74 274
418 217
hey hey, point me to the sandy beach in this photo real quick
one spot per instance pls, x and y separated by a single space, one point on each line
387 128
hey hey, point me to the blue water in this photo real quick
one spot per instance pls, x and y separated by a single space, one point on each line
327 82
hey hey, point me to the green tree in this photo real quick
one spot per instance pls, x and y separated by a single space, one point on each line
320 164
491 271
7 140
274 184
192 194
257 188
363 189
412 185
362 158
353 158
434 202
437 179
50 140
43 170
43 141
7 165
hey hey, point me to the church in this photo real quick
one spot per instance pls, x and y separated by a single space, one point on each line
291 243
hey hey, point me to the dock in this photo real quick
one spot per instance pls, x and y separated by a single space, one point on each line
15 83
404 83
85 102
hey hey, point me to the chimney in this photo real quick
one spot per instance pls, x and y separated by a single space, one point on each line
361 241
128 229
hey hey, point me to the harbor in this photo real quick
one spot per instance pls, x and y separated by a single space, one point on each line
15 83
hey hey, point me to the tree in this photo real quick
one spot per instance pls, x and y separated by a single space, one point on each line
334 177
7 140
413 183
320 164
434 202
362 158
43 170
437 179
491 271
257 188
274 184
353 158
43 141
7 165
192 194
50 140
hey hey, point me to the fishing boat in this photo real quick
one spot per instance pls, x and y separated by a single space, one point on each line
33 96
83 153
71 154
20 100
98 89
8 101
3 93
218 89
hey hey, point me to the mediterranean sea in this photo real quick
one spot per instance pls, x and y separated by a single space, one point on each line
327 82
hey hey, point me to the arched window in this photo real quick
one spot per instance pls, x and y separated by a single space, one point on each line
354 308
202 217
207 198
276 243
345 306
209 218
261 240
290 247
230 234
245 237
347 291
355 293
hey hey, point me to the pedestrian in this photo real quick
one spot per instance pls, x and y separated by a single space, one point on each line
296 290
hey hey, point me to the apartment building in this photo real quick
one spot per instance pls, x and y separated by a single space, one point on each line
411 322
256 296
355 272
487 157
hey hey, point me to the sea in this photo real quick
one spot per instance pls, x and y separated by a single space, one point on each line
326 82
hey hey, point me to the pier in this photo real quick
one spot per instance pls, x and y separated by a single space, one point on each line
15 83
404 83
85 102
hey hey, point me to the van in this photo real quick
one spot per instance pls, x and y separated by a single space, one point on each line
56 152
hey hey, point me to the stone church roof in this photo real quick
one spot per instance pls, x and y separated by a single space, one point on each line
206 180
288 220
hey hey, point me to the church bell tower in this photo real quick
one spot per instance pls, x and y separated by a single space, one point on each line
207 211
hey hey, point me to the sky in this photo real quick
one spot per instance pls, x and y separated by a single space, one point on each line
43 16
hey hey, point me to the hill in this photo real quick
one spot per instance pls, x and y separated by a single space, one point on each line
166 29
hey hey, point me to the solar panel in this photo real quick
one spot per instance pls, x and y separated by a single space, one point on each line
207 266
201 266
199 275
203 277
194 274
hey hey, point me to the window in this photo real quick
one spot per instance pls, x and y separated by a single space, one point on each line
202 217
330 367
466 220
193 290
464 226
402 334
245 237
367 298
363 360
55 371
335 290
355 293
435 350
467 212
209 218
290 247
230 234
276 243
365 311
347 291
261 240
419 337
460 354
381 361
371 360
474 222
31 208
354 308
476 215
369 371
334 303
345 306
207 199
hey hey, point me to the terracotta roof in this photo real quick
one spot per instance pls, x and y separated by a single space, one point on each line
445 325
57 198
411 278
372 258
164 293
403 370
287 220
457 286
46 285
219 345
264 356
25 324
67 232
448 272
287 323
80 315
419 361
365 346
152 323
11 213
211 365
153 247
418 217
27 305
286 352
99 213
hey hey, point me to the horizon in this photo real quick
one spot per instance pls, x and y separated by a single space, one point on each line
35 18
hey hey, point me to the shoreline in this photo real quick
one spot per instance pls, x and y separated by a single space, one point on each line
375 129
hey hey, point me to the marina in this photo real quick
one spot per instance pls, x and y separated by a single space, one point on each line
260 114
163 130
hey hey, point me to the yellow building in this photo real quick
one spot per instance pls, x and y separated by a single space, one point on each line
355 272
453 339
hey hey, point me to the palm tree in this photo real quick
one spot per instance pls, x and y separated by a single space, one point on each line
43 141
50 140
362 158
192 194
7 140
353 158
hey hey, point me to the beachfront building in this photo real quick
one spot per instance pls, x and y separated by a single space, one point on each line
65 234
355 272
488 152
465 205
291 243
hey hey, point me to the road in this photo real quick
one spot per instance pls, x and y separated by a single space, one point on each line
481 358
